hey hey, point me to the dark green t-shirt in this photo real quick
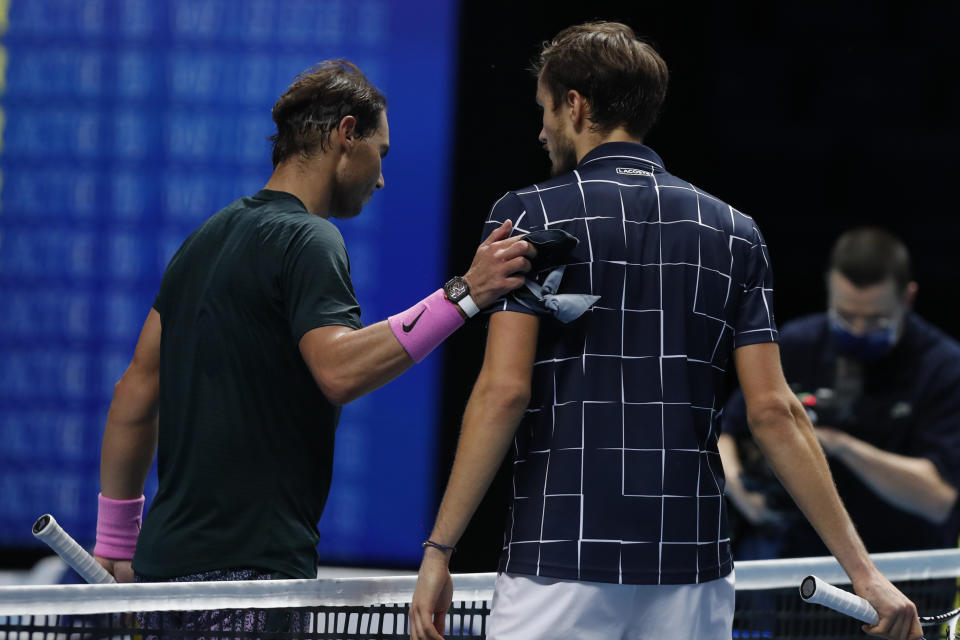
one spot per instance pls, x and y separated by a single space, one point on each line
246 437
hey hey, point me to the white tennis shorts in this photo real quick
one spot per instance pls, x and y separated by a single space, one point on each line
529 607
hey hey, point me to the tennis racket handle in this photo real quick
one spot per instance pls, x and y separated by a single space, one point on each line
47 529
815 590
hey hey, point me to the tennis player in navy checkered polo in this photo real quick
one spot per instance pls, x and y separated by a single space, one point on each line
617 526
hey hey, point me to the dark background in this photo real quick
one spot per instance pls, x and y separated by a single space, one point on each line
811 117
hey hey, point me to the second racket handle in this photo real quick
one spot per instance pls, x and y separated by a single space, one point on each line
48 530
815 590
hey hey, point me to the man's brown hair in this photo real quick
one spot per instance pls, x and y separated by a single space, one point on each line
623 79
869 255
313 106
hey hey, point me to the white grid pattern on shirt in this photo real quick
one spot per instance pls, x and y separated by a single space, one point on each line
587 211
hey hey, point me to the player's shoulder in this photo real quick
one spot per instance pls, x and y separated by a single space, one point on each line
212 229
533 193
711 211
526 206
315 230
723 215
287 228
277 208
288 212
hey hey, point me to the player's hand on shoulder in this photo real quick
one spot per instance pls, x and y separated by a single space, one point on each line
898 615
498 266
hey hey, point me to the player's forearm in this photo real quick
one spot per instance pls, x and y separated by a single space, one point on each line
784 434
347 363
490 421
130 437
911 484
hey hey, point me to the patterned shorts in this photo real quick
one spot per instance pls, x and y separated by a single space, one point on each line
220 623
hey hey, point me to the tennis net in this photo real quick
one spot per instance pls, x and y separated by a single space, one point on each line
768 604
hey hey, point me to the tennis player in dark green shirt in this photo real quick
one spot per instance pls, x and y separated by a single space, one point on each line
252 346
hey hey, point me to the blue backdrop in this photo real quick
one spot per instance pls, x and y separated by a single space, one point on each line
126 123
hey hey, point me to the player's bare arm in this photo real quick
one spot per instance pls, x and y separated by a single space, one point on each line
783 432
913 484
494 411
130 436
348 363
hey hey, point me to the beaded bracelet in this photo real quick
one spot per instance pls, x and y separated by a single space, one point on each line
437 545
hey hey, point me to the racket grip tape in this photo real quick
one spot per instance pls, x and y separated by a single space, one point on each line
49 531
815 590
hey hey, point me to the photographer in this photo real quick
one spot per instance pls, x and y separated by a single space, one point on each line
882 387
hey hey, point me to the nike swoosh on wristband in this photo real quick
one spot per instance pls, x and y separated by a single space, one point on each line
407 328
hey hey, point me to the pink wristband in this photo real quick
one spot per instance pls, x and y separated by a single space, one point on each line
422 327
118 526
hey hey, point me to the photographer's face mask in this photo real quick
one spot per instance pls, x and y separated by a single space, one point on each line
864 322
868 346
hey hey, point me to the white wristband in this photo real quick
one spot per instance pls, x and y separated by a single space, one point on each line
469 306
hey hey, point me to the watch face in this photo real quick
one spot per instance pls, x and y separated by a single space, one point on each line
455 289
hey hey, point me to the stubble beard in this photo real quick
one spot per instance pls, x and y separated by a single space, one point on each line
564 157
344 204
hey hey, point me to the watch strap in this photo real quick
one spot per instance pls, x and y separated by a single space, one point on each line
469 306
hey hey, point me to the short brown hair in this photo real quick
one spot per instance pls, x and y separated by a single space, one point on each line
869 255
623 79
313 106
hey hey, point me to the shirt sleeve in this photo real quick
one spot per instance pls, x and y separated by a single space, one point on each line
509 207
754 321
163 294
315 280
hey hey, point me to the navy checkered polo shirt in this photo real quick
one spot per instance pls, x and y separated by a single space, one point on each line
616 476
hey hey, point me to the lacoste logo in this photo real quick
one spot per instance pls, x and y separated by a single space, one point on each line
407 328
630 171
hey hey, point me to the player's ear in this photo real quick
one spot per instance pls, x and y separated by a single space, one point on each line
347 132
577 108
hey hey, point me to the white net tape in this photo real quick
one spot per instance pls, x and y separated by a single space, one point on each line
476 587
